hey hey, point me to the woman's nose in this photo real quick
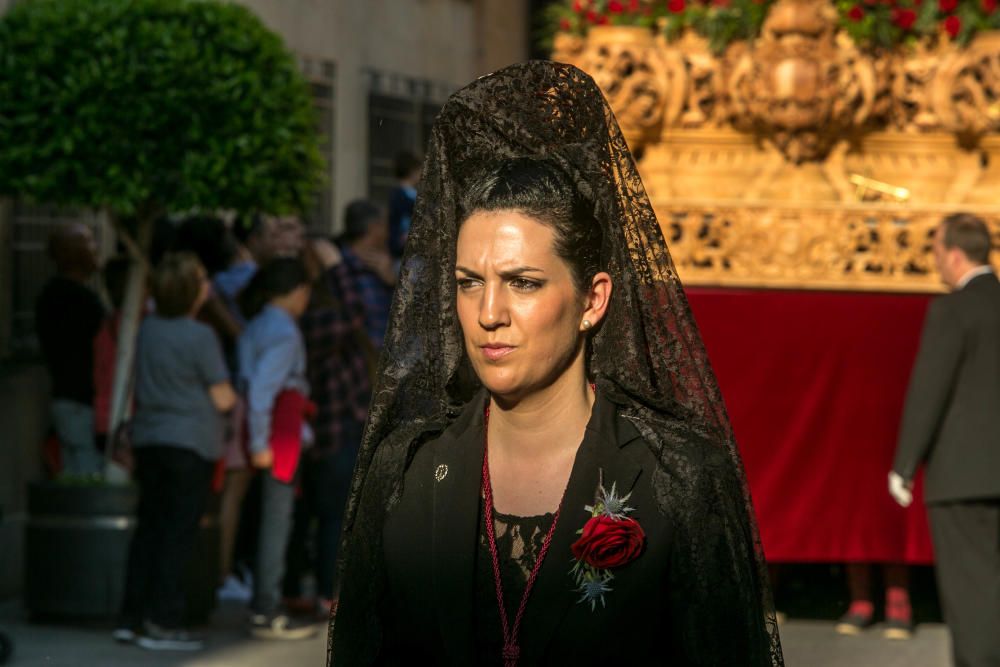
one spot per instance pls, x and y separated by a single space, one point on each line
493 308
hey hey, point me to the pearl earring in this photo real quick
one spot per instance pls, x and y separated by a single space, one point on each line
587 324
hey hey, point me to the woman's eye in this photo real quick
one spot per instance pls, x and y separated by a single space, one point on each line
524 285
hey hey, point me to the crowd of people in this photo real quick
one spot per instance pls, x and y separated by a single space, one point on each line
252 375
547 390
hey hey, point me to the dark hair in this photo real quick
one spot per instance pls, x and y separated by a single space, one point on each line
538 188
115 274
358 217
176 284
969 234
276 278
246 225
207 237
405 164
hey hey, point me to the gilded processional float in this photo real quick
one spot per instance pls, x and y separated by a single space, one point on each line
800 154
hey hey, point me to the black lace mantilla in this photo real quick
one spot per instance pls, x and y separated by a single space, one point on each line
647 356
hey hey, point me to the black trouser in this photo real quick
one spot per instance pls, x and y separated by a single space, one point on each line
326 482
967 552
174 484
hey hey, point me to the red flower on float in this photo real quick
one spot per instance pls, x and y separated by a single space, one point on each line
616 7
989 6
564 25
952 26
947 6
676 6
578 6
721 3
633 5
905 18
856 13
592 16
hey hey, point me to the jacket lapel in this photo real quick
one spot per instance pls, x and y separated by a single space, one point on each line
599 453
457 469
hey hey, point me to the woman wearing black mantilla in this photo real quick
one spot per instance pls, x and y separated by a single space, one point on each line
548 475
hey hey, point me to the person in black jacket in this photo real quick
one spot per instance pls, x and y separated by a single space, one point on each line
951 424
68 316
548 475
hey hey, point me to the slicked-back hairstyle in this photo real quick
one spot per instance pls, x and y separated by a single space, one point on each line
176 284
539 189
969 234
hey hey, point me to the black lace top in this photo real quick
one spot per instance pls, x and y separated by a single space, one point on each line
519 541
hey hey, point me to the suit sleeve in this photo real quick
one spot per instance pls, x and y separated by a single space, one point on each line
931 385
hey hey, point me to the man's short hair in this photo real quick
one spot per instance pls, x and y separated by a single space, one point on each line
177 283
969 234
405 164
358 217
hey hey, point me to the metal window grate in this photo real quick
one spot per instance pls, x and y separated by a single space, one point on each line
401 112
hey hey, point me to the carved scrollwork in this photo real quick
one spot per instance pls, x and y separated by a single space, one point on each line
634 77
859 247
803 87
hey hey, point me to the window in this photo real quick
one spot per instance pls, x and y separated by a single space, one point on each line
401 112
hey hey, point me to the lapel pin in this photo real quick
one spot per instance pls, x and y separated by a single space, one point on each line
440 473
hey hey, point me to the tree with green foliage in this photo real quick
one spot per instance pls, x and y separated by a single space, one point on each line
143 108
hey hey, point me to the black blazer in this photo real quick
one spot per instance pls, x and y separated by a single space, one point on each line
430 545
952 416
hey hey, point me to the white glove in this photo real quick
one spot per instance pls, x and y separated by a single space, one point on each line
900 490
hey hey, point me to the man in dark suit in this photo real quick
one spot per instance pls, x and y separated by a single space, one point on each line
952 424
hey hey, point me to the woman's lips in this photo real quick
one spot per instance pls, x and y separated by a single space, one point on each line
496 352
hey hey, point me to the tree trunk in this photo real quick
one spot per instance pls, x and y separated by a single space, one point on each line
135 296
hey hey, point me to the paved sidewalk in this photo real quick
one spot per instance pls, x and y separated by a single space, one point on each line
806 644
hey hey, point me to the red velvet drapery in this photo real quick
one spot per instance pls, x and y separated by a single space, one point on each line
815 383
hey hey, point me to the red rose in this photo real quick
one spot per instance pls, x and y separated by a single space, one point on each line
947 5
905 18
608 543
592 16
616 7
989 6
952 26
578 6
565 25
856 13
633 5
602 21
676 6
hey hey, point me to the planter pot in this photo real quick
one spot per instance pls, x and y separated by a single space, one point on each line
76 552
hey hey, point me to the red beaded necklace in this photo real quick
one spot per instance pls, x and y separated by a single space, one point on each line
511 647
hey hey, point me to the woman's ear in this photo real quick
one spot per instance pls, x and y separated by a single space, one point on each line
598 298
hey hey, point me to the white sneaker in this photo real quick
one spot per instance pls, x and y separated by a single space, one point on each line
234 589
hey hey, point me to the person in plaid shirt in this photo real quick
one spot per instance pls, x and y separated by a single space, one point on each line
365 245
339 359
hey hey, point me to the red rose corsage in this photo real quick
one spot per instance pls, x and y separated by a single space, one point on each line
608 540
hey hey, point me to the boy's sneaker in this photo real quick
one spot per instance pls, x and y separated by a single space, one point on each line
234 589
281 626
156 638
